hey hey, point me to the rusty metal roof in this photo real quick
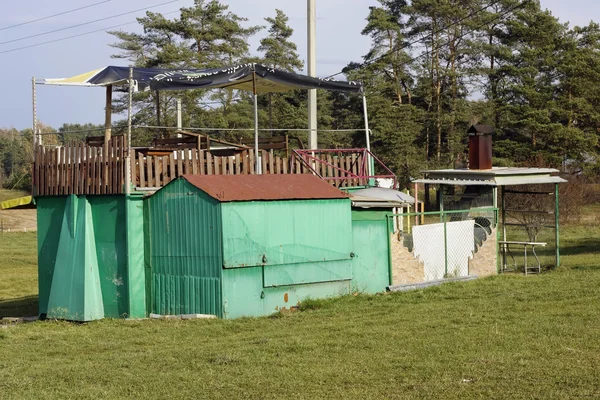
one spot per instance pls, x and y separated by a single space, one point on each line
226 188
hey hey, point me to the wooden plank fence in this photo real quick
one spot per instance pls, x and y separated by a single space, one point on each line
156 171
80 169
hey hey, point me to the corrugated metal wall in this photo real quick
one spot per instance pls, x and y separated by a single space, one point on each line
184 254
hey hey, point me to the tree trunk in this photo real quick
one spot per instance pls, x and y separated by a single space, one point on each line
270 96
570 120
454 89
494 85
395 69
438 91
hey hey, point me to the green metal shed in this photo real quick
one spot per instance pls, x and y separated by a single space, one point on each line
246 245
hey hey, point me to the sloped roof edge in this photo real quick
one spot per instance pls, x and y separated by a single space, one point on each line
230 188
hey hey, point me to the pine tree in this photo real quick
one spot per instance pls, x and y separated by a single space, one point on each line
279 53
205 35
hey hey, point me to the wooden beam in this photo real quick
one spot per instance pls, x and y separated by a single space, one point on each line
108 114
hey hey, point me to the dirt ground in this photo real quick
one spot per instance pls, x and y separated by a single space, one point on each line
21 220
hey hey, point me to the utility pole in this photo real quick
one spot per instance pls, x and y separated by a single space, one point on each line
179 118
312 71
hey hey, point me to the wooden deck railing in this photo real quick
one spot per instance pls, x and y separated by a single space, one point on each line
81 169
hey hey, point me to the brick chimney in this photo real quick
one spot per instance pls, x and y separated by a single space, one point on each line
480 146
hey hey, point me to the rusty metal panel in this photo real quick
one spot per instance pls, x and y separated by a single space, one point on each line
286 232
184 229
226 188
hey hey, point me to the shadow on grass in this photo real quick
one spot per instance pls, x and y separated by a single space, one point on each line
19 307
583 246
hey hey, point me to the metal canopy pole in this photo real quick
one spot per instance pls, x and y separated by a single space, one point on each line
33 131
258 165
367 134
108 114
37 139
129 119
179 118
312 71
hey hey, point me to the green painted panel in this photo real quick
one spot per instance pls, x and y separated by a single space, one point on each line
298 274
184 254
244 295
371 262
95 233
50 212
108 215
75 293
136 277
285 232
370 215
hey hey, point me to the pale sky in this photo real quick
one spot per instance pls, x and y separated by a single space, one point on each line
339 41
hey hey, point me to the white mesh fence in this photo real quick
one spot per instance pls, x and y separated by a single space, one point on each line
444 242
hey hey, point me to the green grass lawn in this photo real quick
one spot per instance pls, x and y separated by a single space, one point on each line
503 337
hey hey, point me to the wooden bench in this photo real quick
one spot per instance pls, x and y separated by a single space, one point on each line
506 244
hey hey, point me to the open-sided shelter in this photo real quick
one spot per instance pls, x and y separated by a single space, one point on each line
486 186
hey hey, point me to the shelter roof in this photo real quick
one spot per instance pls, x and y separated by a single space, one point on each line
497 176
236 77
227 188
370 202
385 194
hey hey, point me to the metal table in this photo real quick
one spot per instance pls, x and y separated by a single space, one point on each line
506 246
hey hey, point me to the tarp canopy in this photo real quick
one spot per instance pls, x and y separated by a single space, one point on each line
235 77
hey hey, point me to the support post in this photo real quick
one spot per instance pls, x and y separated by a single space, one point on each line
503 208
179 118
445 247
312 71
389 241
441 205
416 204
256 152
37 139
556 223
108 114
128 150
370 161
33 133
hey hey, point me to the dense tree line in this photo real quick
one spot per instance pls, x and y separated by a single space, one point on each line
434 67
